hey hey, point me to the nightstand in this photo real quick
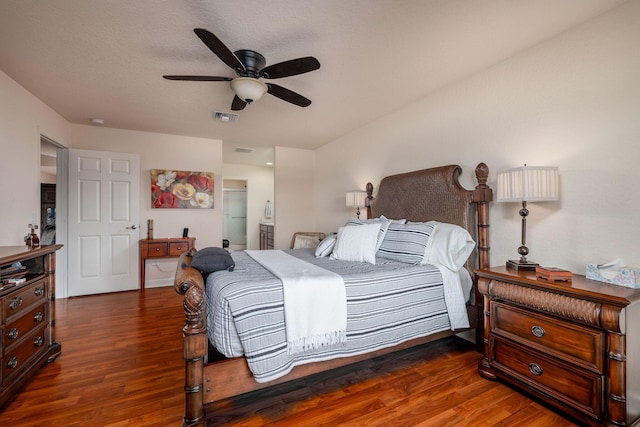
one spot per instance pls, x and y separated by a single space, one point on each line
575 345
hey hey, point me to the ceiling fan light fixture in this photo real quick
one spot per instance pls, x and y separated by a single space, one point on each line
248 89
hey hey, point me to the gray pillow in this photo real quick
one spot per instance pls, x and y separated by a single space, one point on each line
212 259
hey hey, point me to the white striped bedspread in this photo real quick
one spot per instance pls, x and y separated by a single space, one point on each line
387 304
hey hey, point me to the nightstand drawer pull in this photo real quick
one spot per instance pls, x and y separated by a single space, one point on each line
38 342
535 369
38 317
15 303
13 333
39 291
12 363
537 331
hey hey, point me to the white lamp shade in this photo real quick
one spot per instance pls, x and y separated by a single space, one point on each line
356 199
528 184
248 89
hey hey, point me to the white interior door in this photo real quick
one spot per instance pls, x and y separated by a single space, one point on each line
103 222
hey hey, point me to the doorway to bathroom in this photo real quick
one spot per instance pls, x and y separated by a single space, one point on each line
234 193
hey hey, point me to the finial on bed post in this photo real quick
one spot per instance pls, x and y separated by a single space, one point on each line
369 198
482 195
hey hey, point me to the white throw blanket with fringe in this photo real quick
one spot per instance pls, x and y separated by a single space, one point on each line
315 300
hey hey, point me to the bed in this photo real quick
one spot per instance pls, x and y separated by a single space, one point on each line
421 197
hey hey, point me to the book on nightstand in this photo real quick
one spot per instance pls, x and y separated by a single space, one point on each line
553 274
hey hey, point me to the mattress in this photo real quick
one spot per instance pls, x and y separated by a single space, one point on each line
387 303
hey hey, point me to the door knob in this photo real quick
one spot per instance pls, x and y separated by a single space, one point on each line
133 227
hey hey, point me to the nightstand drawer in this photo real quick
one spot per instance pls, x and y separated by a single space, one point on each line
574 343
582 390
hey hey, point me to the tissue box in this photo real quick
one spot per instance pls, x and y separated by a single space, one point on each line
625 276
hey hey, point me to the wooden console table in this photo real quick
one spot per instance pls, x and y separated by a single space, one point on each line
162 248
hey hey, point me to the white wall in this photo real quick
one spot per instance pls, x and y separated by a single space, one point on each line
161 151
294 199
572 102
22 119
259 190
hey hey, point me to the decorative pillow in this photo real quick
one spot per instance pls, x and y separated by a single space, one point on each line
212 259
407 242
303 241
357 243
326 246
384 225
397 221
450 247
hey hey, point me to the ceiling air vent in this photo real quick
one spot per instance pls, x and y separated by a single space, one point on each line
224 117
243 150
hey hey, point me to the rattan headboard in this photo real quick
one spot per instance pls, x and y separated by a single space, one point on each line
433 194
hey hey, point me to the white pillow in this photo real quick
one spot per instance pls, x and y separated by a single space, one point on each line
357 243
450 246
384 226
326 246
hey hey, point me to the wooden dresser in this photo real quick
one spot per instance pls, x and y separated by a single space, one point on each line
266 236
171 247
575 345
27 316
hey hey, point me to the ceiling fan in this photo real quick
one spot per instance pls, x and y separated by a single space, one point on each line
249 67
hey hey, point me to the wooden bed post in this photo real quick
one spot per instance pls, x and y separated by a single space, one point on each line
188 282
367 201
482 195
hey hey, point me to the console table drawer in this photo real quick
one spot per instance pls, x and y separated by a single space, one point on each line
178 248
157 250
581 390
575 343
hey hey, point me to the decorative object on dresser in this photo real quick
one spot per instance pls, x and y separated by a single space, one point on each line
527 184
554 274
356 199
27 316
420 197
575 345
171 247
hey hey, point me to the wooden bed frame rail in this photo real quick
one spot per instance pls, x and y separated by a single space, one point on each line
207 383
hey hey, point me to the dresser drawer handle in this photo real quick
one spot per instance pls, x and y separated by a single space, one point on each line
39 291
535 369
157 249
15 303
38 317
38 342
537 331
13 333
12 363
178 247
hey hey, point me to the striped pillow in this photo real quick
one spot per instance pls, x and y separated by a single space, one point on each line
407 242
384 225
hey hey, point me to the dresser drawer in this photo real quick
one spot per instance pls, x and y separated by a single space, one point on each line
16 359
581 390
20 327
577 344
17 301
178 248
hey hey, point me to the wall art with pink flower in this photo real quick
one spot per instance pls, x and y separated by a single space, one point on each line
181 189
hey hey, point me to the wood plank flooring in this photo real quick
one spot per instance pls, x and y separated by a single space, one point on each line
121 365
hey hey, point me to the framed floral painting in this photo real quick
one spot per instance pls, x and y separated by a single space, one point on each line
181 189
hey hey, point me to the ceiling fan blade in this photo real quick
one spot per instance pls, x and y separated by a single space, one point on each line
237 104
290 68
200 78
288 95
219 48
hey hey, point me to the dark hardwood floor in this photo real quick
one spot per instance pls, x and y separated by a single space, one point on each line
121 365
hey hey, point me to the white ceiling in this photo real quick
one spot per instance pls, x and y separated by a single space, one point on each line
105 58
